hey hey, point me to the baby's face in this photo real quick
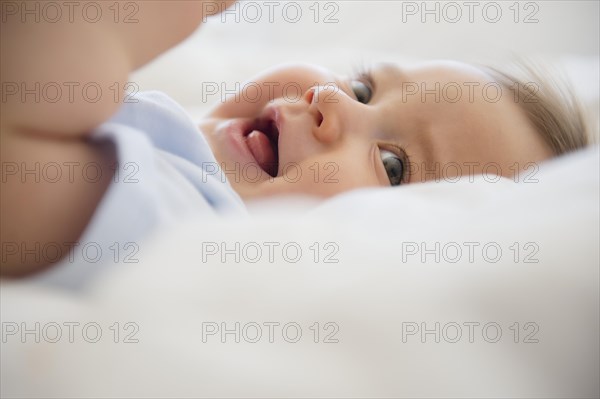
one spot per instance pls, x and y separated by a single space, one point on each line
301 129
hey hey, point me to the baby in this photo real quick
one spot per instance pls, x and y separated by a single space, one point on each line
386 126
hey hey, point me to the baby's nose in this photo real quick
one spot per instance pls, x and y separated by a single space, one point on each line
311 96
323 104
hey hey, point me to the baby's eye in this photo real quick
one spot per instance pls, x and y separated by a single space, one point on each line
362 91
394 166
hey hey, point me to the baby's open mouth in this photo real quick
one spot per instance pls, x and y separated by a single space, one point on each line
262 138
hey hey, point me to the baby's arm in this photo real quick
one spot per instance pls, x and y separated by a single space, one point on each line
89 62
74 52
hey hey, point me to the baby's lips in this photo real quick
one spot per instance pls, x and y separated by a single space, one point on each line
262 150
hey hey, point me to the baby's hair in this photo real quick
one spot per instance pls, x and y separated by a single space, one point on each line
548 102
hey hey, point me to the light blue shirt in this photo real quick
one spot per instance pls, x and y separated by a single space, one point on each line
165 172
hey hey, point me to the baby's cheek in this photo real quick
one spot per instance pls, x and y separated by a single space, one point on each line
324 178
287 83
236 106
246 102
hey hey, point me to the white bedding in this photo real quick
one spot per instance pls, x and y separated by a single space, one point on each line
377 291
379 287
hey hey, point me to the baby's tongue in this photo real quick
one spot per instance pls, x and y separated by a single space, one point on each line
260 146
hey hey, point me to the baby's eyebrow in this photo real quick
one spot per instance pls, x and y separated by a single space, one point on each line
388 72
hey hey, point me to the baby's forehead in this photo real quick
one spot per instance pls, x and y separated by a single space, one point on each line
442 71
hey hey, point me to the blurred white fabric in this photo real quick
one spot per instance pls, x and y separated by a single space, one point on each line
517 316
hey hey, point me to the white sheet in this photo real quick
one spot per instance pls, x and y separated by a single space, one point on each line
371 295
